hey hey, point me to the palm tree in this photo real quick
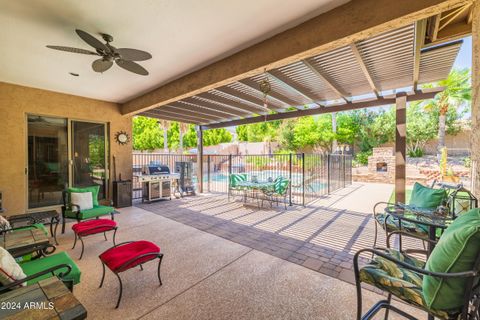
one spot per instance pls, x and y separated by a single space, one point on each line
183 128
165 126
457 92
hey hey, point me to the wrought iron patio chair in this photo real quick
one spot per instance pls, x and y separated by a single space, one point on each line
405 277
389 224
279 192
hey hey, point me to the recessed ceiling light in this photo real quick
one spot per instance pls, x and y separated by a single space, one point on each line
74 74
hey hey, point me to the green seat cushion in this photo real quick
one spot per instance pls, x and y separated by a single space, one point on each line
96 211
393 224
399 281
235 178
35 266
93 189
36 226
425 197
456 251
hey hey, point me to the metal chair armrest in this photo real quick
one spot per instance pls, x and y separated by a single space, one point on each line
381 203
39 274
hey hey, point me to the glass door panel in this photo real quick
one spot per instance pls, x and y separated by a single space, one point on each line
88 155
47 153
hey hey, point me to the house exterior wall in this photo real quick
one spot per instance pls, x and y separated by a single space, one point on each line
17 101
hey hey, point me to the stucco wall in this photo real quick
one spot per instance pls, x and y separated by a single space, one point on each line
17 101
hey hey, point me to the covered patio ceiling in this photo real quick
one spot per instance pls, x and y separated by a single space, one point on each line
366 73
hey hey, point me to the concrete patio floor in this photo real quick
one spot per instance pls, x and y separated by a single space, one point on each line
322 236
205 277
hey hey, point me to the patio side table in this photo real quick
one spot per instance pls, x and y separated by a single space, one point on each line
50 217
47 299
22 242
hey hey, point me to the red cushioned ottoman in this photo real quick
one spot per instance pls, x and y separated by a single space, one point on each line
127 255
90 227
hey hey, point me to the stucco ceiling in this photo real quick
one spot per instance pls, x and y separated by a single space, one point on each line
182 36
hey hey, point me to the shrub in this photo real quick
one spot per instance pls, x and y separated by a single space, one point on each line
467 162
362 157
415 153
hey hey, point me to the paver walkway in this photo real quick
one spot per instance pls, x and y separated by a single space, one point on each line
323 236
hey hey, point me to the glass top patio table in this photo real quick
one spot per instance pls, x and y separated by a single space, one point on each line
428 218
260 185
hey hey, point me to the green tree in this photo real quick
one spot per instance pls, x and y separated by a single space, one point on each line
146 134
216 136
456 94
420 128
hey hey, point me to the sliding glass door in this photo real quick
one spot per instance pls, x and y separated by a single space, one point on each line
47 164
88 155
64 153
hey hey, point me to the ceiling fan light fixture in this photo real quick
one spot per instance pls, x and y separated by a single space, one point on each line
124 57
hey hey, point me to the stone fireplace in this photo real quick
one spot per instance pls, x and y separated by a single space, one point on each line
381 165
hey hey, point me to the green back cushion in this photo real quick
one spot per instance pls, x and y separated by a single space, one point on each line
281 185
424 197
93 189
235 178
456 251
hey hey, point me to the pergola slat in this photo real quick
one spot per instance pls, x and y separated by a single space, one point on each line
324 78
246 98
167 113
231 104
294 86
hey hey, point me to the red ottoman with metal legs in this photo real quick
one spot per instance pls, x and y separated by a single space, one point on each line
89 227
127 255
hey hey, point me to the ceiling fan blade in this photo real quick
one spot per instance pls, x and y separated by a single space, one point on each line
132 67
133 54
74 50
91 40
101 65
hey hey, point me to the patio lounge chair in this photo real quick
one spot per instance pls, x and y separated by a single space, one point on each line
60 265
73 211
445 286
423 198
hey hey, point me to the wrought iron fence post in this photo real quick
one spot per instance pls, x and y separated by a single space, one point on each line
344 168
328 173
208 172
290 178
303 179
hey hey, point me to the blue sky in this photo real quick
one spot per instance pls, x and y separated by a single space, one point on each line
464 58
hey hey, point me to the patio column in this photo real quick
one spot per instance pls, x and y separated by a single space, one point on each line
400 147
475 136
200 158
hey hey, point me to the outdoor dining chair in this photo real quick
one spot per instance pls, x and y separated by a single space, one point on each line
445 286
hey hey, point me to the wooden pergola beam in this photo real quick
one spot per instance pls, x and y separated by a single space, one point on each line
205 105
180 115
231 104
341 94
290 84
185 110
354 21
235 94
400 148
361 63
381 101
150 114
420 29
271 95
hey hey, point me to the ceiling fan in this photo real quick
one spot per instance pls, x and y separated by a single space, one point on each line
123 57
